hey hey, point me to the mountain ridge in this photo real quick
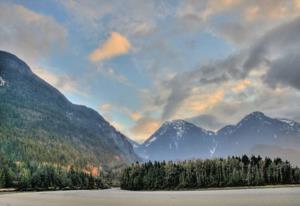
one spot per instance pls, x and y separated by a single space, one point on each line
250 134
175 134
37 116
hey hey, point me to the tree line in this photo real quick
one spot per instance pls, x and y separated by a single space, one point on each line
219 172
37 176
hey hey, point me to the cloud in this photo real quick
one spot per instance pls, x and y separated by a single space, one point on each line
115 45
202 10
297 3
237 32
206 121
182 85
241 85
135 116
200 101
285 71
275 41
179 92
98 16
144 127
270 10
267 51
264 33
105 107
28 34
117 125
245 20
281 102
203 102
110 72
62 82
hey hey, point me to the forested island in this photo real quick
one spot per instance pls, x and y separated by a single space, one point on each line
194 174
26 176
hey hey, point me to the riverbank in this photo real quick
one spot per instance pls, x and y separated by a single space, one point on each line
288 196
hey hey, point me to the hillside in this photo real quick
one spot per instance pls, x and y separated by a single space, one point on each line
38 123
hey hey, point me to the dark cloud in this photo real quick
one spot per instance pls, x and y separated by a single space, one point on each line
270 50
179 91
277 40
211 74
285 71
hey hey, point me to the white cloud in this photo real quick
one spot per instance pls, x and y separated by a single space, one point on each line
105 107
62 82
135 17
112 74
29 34
245 20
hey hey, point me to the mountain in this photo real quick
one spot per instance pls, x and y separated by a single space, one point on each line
256 133
257 129
38 123
133 143
178 139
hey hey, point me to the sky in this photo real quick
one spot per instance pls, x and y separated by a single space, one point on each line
140 63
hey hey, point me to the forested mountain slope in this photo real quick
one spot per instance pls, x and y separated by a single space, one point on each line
38 123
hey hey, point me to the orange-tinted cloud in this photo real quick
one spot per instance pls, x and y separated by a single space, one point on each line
252 13
62 82
270 10
117 125
206 101
135 116
241 85
144 128
297 3
105 107
115 45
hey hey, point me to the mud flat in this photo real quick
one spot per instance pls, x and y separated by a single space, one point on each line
116 197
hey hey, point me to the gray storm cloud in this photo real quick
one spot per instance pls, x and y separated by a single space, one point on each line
269 50
285 71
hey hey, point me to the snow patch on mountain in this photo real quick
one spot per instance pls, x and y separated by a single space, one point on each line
178 126
213 150
179 139
152 140
2 82
289 122
176 145
135 145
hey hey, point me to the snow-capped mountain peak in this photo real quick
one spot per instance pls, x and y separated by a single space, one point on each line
291 123
179 139
2 82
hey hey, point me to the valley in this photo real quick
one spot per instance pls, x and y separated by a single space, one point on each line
149 103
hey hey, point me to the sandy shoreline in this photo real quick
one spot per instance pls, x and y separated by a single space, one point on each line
289 196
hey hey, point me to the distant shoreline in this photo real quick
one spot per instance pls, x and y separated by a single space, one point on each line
221 188
249 187
12 190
